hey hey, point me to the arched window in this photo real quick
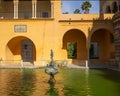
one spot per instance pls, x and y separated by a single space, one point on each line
108 10
115 7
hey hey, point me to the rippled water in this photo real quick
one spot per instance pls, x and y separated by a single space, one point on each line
69 82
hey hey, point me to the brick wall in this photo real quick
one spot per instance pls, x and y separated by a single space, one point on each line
116 25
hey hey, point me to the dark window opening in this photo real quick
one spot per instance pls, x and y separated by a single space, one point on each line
108 9
93 52
112 38
115 7
45 14
25 46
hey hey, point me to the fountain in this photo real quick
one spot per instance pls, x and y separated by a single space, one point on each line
51 69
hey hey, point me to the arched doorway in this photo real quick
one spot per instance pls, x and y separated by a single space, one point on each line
102 48
21 48
27 51
74 42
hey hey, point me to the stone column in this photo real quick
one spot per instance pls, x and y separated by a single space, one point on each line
34 8
88 44
16 9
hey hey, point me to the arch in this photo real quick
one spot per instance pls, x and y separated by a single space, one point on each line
77 37
14 49
102 45
92 32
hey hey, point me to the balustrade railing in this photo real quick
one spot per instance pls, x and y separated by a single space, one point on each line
6 15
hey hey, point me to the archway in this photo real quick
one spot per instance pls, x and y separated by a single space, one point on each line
74 42
21 48
102 47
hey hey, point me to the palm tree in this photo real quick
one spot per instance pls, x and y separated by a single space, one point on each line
85 6
77 11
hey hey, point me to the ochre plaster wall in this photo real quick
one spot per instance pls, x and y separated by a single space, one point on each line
47 34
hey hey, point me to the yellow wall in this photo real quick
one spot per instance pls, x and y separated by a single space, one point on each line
47 34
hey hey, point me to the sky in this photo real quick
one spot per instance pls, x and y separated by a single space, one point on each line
71 5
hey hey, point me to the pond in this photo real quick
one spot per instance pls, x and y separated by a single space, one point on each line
69 82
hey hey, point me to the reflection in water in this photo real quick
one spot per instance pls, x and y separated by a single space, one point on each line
52 91
69 82
17 82
27 82
87 85
102 85
13 82
76 82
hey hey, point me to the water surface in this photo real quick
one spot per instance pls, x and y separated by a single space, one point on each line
69 82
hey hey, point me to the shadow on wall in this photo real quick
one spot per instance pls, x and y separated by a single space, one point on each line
101 41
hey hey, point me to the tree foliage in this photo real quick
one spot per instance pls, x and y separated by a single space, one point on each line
65 12
77 11
85 6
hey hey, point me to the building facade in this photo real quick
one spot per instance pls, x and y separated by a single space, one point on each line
116 26
29 29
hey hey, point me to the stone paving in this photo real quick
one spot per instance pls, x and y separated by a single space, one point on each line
68 66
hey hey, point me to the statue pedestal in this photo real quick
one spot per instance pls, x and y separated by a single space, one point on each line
51 69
